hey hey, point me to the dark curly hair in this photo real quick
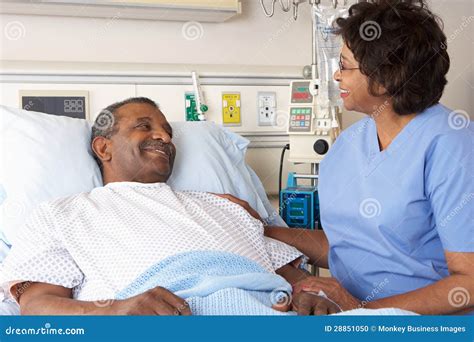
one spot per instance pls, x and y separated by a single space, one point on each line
401 46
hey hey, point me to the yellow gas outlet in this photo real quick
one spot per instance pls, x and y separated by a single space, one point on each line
231 109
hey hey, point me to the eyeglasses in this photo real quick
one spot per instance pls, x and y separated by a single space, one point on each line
341 67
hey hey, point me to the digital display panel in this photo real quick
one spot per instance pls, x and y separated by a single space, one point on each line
300 92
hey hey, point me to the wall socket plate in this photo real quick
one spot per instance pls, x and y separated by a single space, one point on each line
266 108
231 109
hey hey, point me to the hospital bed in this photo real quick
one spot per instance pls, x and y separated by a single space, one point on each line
46 157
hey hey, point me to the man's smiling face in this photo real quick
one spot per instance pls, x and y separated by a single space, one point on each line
141 149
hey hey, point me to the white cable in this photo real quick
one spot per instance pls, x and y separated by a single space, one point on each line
322 294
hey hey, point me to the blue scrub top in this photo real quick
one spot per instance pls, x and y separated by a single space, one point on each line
390 215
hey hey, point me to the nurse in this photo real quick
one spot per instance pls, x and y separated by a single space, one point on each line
396 188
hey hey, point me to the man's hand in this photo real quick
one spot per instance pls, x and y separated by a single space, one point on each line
156 301
242 203
305 303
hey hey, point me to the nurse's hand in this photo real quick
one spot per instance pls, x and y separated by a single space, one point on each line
305 303
332 288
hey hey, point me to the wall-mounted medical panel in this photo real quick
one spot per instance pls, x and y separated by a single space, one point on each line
171 97
71 103
100 95
231 109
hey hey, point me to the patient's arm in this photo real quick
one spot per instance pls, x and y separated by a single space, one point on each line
47 299
312 243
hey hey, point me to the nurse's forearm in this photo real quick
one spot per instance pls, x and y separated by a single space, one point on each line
292 274
313 243
441 298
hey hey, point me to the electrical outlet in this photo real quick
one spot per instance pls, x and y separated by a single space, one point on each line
266 108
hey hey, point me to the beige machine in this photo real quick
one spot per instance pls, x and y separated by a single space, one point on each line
312 129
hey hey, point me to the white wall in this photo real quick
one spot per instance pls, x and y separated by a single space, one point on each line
250 41
458 18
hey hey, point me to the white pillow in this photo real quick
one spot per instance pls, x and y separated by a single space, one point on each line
210 158
44 157
272 217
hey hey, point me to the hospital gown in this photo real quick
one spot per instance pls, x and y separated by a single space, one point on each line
97 243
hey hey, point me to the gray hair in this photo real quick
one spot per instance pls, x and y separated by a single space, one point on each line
106 123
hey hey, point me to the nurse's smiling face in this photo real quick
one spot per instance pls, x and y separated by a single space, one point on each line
354 86
141 149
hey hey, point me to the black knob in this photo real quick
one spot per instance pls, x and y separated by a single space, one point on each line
321 146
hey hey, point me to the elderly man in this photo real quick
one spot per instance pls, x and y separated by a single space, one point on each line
77 253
